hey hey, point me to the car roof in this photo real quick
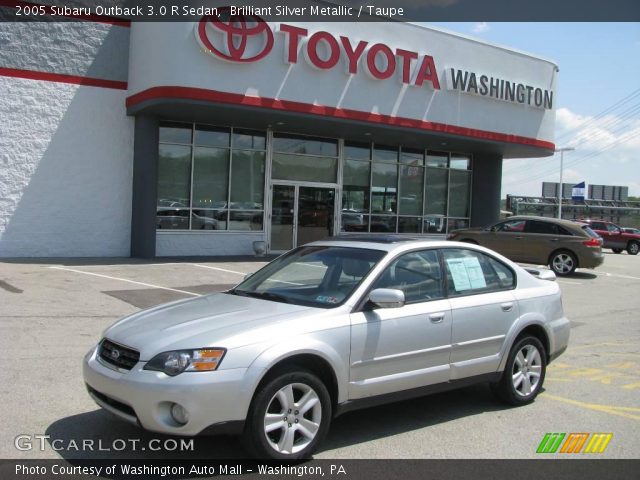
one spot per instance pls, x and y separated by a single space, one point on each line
384 242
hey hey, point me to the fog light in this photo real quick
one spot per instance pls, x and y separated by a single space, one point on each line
179 414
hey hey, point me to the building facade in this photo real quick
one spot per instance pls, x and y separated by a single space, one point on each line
169 139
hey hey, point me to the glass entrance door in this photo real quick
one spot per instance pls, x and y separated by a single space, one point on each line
301 214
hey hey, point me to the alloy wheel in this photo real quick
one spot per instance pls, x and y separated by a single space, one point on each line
527 369
563 263
293 418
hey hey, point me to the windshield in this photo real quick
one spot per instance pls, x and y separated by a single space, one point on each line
322 276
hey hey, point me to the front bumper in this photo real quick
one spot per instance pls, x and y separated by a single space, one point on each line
145 397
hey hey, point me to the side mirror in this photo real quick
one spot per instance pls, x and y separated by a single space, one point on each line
387 298
542 274
493 229
247 276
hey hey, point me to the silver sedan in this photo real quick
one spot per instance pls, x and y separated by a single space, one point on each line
326 328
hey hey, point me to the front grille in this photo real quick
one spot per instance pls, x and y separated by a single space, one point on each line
118 355
121 407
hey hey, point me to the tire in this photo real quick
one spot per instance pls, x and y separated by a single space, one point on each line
616 250
524 373
563 263
633 248
282 396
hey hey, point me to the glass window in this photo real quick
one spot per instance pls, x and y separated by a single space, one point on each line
384 189
247 177
172 218
354 221
510 226
457 224
437 182
305 145
460 162
212 136
355 189
171 132
417 274
385 154
409 225
459 186
437 159
304 168
412 157
360 151
322 277
383 223
470 272
245 220
411 189
247 139
208 219
537 226
435 224
210 177
174 176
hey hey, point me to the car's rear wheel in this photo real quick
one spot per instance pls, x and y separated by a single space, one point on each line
288 417
616 250
633 248
563 262
524 373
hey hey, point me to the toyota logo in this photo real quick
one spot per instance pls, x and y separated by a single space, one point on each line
237 38
115 354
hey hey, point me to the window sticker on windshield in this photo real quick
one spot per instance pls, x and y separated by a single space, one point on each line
326 299
466 273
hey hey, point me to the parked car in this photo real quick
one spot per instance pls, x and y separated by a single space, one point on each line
329 327
562 244
614 237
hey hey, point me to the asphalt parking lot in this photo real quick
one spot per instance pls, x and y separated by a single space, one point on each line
52 312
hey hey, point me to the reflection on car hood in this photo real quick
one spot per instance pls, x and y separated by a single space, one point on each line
199 322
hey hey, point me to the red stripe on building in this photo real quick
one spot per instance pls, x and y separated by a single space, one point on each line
61 78
187 93
48 12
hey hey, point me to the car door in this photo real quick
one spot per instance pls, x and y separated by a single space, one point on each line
541 239
615 237
506 238
396 349
483 308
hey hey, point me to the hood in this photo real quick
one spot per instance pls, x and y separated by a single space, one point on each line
199 322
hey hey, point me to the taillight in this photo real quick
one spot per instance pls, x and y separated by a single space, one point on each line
593 242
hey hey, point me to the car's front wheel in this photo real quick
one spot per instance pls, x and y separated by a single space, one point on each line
524 373
563 263
288 417
633 248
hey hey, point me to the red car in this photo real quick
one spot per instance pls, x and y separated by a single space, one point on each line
615 237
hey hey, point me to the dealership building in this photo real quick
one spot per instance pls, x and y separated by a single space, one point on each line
161 139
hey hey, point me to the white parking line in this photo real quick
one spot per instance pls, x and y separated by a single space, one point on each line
127 280
569 282
219 269
616 275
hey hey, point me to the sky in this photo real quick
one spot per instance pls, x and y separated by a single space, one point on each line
597 101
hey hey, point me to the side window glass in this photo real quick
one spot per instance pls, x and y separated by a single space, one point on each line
535 226
612 228
470 272
417 274
511 226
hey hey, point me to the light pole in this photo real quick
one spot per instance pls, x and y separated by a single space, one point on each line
561 150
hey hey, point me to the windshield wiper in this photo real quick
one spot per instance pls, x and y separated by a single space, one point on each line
268 296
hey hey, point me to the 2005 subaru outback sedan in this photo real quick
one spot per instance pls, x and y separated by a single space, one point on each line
326 328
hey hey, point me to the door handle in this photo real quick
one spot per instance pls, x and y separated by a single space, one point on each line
436 317
507 307
518 238
554 240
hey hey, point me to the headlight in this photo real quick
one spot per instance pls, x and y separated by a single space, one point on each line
178 361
